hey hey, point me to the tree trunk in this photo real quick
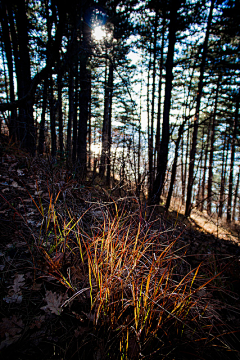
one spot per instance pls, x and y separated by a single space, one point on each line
233 142
163 152
210 169
151 169
174 167
106 119
157 148
148 108
110 86
8 51
75 117
60 115
235 197
198 199
84 100
27 134
201 208
41 140
90 125
223 175
196 118
138 187
70 114
52 120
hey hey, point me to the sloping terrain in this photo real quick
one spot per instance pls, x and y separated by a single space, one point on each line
85 275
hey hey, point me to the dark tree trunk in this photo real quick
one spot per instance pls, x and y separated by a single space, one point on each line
71 112
201 208
196 118
41 140
138 187
151 168
235 198
163 152
174 167
60 115
84 100
157 148
198 199
185 166
233 142
52 120
106 119
27 134
223 175
8 51
148 109
16 57
90 124
210 169
22 64
187 106
75 118
110 85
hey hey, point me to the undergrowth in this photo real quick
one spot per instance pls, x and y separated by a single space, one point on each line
122 277
144 299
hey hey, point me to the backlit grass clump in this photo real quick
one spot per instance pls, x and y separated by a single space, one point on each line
143 299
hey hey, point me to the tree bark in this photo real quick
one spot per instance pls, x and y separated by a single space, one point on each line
150 150
210 169
27 135
233 142
163 152
157 148
70 114
110 85
201 208
106 119
235 197
84 100
75 117
223 175
8 51
41 140
196 118
60 116
52 120
174 167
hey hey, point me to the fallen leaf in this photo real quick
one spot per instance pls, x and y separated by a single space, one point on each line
39 193
54 302
9 341
18 283
15 184
14 298
20 172
14 293
6 189
37 322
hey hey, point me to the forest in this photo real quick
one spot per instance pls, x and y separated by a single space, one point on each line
143 92
119 179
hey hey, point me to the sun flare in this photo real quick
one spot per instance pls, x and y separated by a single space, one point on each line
98 33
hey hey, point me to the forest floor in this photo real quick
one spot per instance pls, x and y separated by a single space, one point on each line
87 273
206 223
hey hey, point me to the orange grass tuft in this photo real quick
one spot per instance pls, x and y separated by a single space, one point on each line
138 298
